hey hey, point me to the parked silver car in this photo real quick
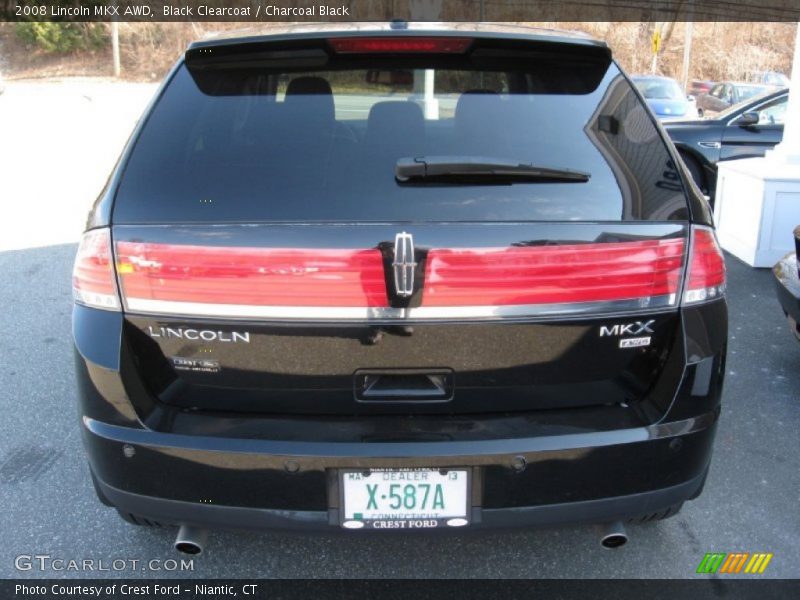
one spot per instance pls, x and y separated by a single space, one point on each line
725 94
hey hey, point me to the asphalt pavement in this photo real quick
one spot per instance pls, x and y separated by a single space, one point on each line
49 508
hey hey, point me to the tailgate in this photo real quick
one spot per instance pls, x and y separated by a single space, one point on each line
400 318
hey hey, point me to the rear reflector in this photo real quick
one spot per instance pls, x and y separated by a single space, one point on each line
215 276
706 277
573 273
93 281
379 45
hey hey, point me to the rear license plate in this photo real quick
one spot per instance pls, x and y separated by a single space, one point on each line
404 498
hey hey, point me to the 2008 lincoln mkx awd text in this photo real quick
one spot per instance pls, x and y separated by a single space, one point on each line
387 277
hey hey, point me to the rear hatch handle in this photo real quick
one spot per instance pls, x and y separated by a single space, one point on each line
403 385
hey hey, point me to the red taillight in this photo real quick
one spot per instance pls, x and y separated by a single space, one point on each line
554 274
384 45
93 282
705 279
192 276
462 282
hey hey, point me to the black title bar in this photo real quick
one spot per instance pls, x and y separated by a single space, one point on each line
255 11
419 589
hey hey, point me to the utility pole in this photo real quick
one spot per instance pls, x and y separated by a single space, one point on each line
115 47
687 55
115 44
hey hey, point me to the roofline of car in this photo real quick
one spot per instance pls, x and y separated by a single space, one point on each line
472 30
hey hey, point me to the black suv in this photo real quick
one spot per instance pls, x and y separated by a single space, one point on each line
388 277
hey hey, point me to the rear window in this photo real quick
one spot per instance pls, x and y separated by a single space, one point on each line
659 89
277 144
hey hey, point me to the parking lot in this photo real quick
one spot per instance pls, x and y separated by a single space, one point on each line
58 143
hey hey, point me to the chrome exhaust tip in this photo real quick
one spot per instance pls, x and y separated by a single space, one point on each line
191 540
613 535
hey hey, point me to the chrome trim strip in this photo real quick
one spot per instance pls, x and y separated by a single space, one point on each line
526 310
423 313
201 309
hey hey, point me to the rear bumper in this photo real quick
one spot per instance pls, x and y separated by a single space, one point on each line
175 512
260 484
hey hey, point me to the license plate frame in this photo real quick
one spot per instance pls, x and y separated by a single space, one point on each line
406 520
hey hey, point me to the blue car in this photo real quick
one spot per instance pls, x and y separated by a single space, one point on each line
665 98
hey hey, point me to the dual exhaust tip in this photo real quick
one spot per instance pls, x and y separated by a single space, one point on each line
613 535
192 540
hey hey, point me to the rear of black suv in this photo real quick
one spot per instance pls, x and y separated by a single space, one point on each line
388 278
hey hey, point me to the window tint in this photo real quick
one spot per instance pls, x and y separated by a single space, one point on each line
749 91
660 89
322 146
356 92
773 113
727 94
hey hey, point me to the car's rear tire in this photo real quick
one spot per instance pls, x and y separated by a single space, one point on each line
695 170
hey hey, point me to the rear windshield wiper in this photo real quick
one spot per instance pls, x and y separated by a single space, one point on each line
479 170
